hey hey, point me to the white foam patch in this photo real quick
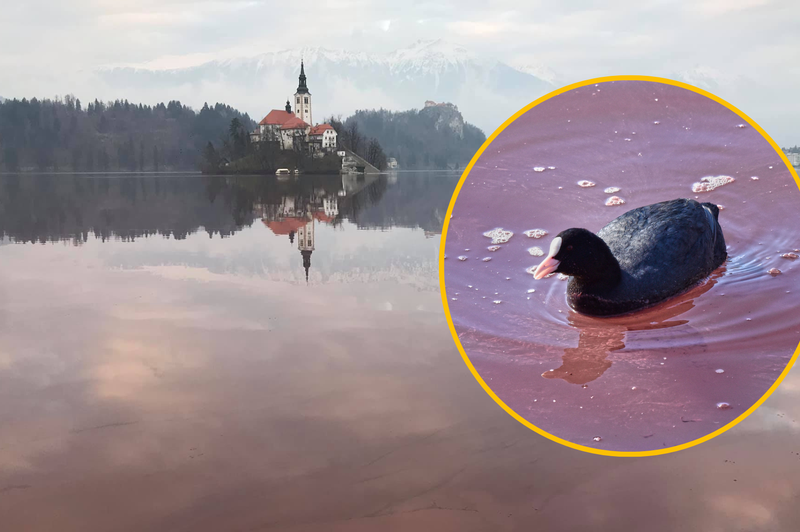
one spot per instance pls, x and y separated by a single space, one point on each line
535 233
709 183
499 235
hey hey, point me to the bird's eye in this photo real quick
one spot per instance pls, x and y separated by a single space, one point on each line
569 248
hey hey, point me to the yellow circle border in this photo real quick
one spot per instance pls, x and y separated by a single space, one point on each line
443 289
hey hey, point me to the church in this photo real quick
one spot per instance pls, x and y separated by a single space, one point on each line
295 129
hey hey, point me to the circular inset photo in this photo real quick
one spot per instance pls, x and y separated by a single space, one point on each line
619 266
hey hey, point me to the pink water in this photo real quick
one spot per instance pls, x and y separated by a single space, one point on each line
649 380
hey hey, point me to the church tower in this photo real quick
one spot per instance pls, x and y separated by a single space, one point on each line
305 243
302 99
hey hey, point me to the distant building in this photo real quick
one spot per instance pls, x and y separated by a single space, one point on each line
323 137
391 163
291 127
794 158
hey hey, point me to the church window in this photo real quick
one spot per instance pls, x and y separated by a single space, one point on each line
306 99
298 99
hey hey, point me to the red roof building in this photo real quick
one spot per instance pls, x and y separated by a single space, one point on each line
294 123
276 117
319 129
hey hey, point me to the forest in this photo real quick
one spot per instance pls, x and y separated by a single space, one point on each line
63 134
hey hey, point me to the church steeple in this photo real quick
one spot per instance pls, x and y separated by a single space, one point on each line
305 243
302 98
302 88
306 260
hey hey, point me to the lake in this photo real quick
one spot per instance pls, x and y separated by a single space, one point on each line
165 364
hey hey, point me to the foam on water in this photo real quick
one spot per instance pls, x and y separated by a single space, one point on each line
754 177
493 248
614 200
585 184
774 271
462 257
709 183
611 190
499 235
789 255
723 405
539 168
486 259
535 233
537 251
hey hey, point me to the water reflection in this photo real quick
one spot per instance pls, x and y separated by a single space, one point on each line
600 337
75 208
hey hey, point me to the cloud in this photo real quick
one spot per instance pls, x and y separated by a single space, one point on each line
578 40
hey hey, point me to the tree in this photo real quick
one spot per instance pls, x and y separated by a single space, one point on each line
353 137
239 139
375 156
211 158
11 158
141 156
155 158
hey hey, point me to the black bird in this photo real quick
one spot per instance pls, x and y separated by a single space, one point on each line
639 259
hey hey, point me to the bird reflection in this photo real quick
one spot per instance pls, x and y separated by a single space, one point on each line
599 337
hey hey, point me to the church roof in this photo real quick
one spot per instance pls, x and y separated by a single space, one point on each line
323 217
277 117
294 123
302 88
320 129
285 226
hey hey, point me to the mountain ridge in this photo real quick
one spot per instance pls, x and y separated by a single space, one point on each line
342 82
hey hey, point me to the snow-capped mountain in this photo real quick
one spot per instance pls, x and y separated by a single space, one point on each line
486 90
706 78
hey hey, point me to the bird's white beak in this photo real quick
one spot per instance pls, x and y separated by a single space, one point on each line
550 264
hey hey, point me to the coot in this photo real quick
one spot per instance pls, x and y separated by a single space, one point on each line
643 257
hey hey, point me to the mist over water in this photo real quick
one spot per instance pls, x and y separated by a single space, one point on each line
648 380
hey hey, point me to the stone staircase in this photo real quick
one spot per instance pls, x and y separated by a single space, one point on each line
354 164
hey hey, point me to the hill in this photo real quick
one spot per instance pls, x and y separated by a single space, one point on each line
434 137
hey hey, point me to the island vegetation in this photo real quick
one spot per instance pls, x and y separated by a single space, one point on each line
64 134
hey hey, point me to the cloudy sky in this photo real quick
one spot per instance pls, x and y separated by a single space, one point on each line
750 47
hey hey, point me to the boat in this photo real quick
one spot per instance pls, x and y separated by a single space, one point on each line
282 171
